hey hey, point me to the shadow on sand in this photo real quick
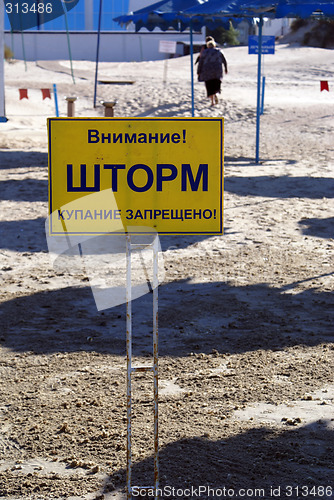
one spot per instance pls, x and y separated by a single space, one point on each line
320 228
249 461
24 190
281 186
22 159
192 318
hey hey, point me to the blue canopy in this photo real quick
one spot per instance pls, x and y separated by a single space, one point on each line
179 14
163 15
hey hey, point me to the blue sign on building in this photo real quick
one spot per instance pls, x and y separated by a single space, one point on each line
268 44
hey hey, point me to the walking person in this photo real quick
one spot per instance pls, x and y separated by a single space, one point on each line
210 70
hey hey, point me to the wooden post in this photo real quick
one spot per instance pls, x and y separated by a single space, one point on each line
70 105
108 108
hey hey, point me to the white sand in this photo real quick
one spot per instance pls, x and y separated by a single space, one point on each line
292 96
261 292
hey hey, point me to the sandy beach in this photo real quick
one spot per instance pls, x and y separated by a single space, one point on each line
246 335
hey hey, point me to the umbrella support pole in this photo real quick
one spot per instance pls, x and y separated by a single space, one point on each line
262 96
192 71
97 52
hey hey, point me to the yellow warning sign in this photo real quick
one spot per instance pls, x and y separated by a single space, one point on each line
106 174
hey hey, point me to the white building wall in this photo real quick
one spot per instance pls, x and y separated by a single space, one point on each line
139 4
114 46
245 29
276 27
89 15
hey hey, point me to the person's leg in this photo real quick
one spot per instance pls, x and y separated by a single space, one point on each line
208 91
216 90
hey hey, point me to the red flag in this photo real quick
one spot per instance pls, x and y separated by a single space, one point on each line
46 93
23 94
324 85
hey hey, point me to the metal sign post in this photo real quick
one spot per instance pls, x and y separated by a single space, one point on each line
168 47
260 44
133 369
